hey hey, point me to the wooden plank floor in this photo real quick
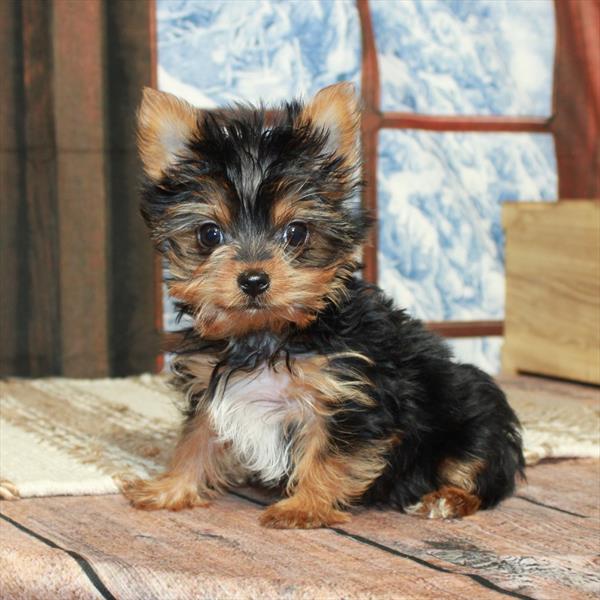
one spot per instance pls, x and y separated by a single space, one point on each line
542 543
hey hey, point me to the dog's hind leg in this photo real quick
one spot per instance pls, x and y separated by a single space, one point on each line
457 497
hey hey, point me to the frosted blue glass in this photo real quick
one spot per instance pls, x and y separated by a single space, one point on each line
441 245
483 352
441 252
213 52
465 56
440 237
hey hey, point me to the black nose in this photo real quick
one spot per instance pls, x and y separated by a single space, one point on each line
253 283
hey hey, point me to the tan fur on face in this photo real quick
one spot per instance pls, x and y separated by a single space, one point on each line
181 229
210 206
295 295
286 210
165 124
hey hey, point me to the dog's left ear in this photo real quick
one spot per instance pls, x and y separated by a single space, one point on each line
336 111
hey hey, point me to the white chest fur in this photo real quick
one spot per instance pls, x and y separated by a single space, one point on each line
252 414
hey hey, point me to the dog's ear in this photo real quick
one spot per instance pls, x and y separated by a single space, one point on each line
165 126
335 110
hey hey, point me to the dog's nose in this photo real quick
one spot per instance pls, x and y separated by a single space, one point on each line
253 283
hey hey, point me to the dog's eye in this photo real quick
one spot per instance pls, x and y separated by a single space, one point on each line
209 235
296 233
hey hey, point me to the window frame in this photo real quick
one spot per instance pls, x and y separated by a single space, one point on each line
374 120
574 125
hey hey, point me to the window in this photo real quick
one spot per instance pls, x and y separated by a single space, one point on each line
465 107
459 96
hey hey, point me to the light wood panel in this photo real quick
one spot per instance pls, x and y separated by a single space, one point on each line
552 323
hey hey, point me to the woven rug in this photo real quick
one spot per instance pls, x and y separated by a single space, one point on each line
73 437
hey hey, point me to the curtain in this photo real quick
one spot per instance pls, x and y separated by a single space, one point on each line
77 272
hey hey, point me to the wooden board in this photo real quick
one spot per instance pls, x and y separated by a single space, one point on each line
539 544
552 324
548 391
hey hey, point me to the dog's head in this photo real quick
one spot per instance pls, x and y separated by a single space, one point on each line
258 212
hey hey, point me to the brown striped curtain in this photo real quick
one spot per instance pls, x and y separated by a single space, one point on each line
78 293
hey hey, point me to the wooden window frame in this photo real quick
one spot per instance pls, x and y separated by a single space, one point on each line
575 85
574 125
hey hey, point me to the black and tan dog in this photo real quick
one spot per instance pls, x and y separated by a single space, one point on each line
295 371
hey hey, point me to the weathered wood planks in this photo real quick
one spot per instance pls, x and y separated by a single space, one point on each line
522 549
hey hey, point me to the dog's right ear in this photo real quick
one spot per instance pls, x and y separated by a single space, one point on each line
335 110
165 126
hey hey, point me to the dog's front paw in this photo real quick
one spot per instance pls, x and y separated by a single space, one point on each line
166 492
289 514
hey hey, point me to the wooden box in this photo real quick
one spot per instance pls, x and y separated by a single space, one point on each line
552 324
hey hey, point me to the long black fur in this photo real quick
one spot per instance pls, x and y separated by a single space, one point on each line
443 409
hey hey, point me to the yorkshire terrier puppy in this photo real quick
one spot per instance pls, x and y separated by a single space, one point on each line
296 372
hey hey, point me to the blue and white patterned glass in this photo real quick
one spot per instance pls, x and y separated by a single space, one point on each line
213 52
441 246
441 240
440 237
439 195
490 57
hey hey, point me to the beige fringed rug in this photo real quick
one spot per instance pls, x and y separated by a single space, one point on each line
73 437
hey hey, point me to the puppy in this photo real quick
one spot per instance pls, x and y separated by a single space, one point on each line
297 373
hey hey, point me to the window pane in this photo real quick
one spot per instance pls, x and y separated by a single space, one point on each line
489 57
441 249
483 352
213 52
